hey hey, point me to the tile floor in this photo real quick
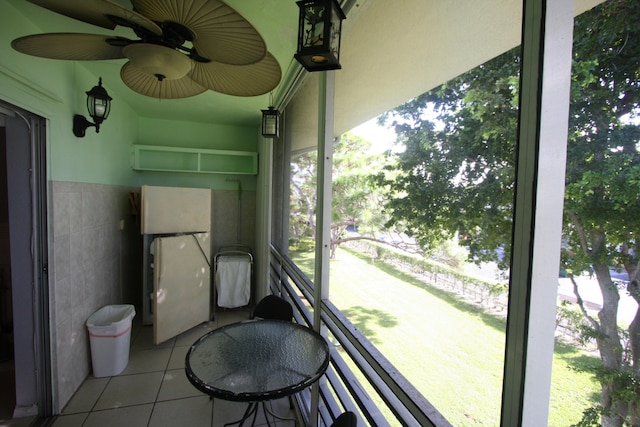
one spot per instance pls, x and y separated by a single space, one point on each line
153 390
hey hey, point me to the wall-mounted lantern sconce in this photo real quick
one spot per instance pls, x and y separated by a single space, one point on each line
319 30
99 105
270 122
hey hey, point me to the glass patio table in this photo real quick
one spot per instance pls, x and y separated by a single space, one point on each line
256 360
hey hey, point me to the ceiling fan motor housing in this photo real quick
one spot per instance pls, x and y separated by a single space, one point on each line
157 60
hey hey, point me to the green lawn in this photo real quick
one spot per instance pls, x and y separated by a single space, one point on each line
450 350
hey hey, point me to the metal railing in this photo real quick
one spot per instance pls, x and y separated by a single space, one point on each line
359 378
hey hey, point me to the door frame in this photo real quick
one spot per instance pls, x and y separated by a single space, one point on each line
37 310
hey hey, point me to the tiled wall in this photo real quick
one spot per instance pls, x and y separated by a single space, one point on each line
229 210
95 263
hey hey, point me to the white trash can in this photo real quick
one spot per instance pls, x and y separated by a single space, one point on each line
110 335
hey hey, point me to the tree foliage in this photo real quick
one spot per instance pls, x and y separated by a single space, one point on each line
302 207
356 198
457 176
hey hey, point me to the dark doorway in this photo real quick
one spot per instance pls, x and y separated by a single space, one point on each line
25 365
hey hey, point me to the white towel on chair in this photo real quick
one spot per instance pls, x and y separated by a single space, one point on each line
233 281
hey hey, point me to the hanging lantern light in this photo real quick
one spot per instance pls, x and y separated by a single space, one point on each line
98 105
319 31
270 122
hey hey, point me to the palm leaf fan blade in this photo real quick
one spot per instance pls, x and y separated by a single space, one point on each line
239 80
210 22
98 12
69 46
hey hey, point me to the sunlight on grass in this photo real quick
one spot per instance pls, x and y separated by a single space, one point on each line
451 351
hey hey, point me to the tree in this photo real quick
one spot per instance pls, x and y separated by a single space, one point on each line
303 196
356 198
459 177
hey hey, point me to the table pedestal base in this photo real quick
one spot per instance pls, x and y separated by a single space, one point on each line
253 409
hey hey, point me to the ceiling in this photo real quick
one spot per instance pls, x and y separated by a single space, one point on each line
390 52
275 20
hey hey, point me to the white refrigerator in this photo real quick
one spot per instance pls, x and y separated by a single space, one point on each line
176 228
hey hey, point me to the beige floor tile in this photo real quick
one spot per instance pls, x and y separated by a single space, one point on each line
285 416
132 416
87 395
192 412
18 422
189 337
144 340
177 357
175 385
130 390
127 400
73 420
147 361
226 412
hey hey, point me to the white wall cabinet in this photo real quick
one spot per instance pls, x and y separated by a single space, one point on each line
195 160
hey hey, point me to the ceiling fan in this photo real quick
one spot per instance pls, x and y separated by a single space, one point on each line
182 47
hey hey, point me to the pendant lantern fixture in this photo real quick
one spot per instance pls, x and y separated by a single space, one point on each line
319 32
270 121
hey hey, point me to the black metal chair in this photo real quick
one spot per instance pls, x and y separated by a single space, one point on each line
273 307
346 419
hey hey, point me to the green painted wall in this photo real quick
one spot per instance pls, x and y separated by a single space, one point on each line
197 135
56 90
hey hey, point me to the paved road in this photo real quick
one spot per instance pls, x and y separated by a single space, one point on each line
590 293
588 288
